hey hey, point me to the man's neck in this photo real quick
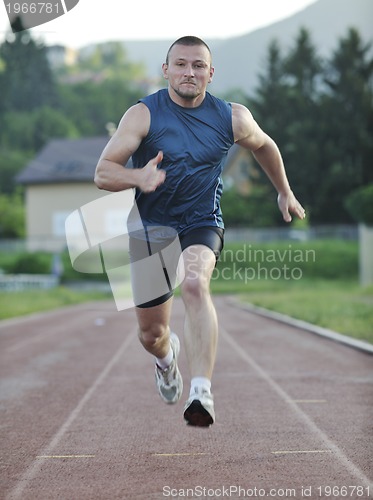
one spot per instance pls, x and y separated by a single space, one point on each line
185 102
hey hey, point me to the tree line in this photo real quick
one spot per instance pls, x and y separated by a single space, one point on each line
319 111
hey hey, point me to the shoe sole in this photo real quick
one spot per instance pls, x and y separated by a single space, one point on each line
197 416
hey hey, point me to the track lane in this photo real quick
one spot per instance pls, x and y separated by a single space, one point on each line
115 439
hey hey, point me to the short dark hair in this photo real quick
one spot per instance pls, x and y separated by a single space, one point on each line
190 41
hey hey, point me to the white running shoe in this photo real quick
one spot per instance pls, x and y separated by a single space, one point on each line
199 409
169 381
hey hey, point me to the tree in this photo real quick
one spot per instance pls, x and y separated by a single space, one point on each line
303 73
109 59
242 210
346 125
360 204
286 103
270 101
30 131
92 105
26 80
321 115
12 216
11 164
303 68
106 83
269 107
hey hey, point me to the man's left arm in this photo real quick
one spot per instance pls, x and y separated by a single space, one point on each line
249 135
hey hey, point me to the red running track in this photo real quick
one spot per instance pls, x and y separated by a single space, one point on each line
80 418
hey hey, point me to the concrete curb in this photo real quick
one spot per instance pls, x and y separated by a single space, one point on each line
309 327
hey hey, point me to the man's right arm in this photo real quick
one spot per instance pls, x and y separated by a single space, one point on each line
111 173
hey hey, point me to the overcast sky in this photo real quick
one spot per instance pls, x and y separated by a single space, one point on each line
99 21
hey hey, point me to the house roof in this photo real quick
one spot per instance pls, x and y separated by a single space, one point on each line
64 160
72 160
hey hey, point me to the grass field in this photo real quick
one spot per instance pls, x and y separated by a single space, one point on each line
20 303
314 281
341 306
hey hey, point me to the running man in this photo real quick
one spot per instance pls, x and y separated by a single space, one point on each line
178 139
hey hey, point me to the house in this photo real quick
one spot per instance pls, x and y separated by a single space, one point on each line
238 170
59 56
59 181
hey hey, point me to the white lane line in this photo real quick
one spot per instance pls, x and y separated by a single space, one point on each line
47 333
34 468
66 456
311 401
327 442
30 318
291 452
40 337
178 454
54 314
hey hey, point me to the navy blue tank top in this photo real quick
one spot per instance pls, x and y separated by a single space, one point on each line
195 143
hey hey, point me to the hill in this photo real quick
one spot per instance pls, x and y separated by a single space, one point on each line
242 58
239 60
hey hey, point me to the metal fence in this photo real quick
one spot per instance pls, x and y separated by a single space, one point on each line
19 282
345 232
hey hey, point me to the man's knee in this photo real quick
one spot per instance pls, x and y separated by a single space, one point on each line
153 324
194 287
151 334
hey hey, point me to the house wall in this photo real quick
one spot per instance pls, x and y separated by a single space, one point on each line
48 206
237 173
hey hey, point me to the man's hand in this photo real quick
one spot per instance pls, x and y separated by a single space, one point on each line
287 204
151 176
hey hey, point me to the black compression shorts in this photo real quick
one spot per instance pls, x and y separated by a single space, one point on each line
141 249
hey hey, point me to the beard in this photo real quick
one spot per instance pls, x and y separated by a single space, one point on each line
187 92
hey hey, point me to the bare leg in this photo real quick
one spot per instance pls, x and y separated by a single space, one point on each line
201 327
154 334
154 331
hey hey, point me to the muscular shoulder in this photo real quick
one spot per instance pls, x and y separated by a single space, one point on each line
247 132
242 121
137 119
132 129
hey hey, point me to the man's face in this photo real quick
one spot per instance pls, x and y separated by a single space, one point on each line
188 72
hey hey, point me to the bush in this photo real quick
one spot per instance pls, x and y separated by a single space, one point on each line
258 209
70 275
360 204
315 259
43 263
30 263
12 216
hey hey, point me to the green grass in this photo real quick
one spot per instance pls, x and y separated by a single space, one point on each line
340 306
314 281
20 303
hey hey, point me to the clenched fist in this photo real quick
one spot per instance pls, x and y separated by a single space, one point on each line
151 176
